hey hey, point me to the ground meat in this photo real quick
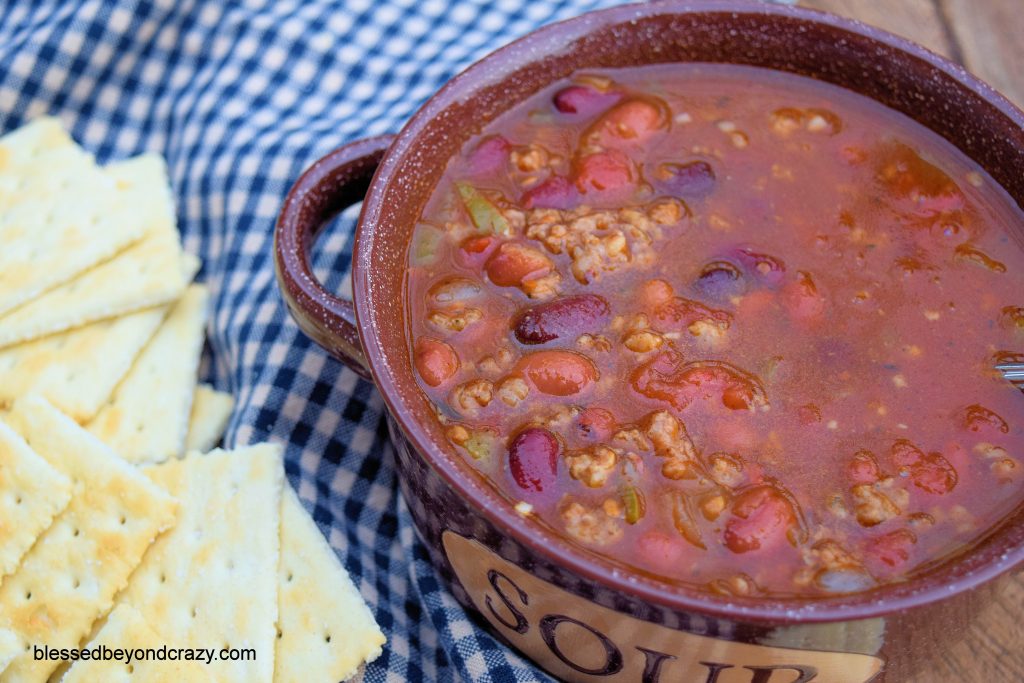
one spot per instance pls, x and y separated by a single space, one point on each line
543 287
467 398
593 466
642 341
593 526
513 390
872 506
496 363
632 439
594 342
599 241
672 443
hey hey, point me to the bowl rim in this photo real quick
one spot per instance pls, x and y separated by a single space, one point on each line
952 577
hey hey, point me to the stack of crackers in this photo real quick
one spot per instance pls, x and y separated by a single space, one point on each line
117 528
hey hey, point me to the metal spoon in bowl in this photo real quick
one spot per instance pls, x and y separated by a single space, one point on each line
1013 373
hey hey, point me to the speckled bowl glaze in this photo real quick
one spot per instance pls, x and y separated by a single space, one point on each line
576 614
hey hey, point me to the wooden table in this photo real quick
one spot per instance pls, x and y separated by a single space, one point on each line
987 36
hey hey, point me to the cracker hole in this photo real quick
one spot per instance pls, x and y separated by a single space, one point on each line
131 668
124 520
327 638
279 634
194 612
17 501
28 595
76 583
290 577
76 531
163 578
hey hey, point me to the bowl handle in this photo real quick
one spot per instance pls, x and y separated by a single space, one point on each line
333 183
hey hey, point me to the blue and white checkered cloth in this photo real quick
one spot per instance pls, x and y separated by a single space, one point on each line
240 97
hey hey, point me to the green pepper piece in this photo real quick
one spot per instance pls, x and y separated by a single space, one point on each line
480 445
482 211
426 245
634 501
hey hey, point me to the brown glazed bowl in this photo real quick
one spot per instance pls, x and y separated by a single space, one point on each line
576 614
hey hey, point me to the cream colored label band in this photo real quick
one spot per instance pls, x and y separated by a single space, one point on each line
577 640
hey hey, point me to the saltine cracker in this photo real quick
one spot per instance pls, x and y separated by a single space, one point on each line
60 213
146 274
211 410
325 630
212 580
78 370
125 628
146 420
69 578
10 646
32 494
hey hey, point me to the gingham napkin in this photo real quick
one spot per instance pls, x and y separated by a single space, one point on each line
241 97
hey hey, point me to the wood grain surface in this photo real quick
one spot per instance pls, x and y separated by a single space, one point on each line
987 36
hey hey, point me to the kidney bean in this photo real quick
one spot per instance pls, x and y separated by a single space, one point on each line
567 316
693 179
978 418
514 263
556 192
761 516
633 119
595 424
435 360
720 281
490 156
533 459
583 100
558 372
930 472
603 171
